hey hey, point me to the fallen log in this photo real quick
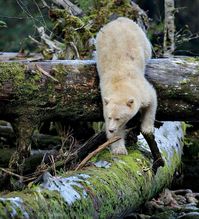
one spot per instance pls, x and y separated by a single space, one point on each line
177 85
111 188
26 90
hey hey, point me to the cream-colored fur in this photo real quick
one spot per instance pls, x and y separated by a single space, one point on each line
122 52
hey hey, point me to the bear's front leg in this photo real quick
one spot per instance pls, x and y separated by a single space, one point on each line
118 147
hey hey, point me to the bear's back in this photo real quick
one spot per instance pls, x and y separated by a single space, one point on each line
121 42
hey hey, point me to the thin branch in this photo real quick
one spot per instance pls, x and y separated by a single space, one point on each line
11 17
75 49
99 149
45 73
12 174
35 20
52 160
34 40
185 35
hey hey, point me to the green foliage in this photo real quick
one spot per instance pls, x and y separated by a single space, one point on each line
98 126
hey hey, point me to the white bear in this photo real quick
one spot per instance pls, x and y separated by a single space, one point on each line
122 51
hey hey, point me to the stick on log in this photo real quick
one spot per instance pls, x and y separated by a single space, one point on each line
98 150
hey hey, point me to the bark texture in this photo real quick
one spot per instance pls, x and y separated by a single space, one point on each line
111 188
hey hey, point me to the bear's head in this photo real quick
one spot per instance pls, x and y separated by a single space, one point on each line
117 113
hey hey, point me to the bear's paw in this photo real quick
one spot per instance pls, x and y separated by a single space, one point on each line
120 150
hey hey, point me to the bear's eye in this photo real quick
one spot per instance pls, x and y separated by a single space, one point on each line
109 118
117 119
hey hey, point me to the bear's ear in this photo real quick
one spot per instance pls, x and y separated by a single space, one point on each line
106 100
130 102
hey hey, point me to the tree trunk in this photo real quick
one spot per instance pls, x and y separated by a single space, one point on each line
169 28
111 188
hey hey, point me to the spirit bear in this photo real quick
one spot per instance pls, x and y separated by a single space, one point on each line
122 52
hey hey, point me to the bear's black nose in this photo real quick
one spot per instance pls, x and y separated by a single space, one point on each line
111 130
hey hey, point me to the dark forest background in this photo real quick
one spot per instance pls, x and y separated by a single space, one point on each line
21 18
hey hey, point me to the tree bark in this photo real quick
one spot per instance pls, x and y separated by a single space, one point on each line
111 188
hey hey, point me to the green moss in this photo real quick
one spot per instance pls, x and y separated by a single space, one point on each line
188 92
11 72
188 85
11 209
24 84
28 89
45 204
105 193
30 94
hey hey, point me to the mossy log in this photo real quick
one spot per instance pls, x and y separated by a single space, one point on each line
26 92
110 188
